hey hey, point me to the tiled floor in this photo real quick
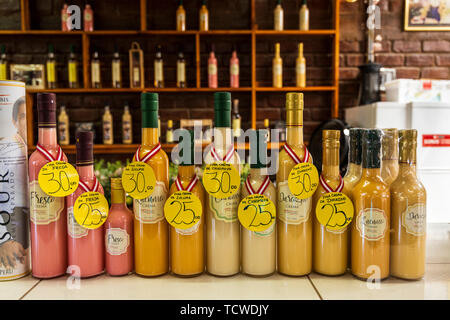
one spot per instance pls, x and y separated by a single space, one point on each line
435 285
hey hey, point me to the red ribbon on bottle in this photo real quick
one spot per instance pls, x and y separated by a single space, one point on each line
227 157
328 189
190 186
48 155
261 189
149 155
294 156
83 185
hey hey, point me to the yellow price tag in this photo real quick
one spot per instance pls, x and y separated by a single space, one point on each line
256 212
335 211
138 180
221 180
58 179
183 210
303 180
91 210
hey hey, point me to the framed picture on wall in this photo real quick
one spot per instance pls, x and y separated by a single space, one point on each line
427 15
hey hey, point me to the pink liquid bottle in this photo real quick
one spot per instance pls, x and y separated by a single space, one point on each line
119 233
88 18
234 70
64 17
86 246
212 69
47 213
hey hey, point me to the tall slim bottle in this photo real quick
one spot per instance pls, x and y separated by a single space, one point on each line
158 65
389 159
72 67
3 64
169 132
370 226
181 17
259 248
304 16
278 17
236 119
151 232
108 133
88 18
294 223
181 70
51 68
300 67
203 17
96 81
47 214
86 246
234 70
63 127
116 68
127 126
408 214
222 224
277 68
212 69
330 247
119 258
187 249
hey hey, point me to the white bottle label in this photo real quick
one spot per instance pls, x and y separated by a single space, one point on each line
151 209
414 219
277 69
117 241
181 72
292 210
212 69
136 75
44 209
116 74
225 209
234 69
300 68
158 71
371 224
73 228
95 72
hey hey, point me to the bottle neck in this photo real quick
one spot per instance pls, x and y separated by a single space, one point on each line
294 136
223 138
371 173
257 172
407 169
186 172
117 196
47 137
150 136
330 159
354 170
86 173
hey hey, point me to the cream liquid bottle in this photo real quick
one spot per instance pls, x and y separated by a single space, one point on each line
278 17
108 135
127 126
294 220
277 68
222 224
158 66
63 127
370 226
330 247
389 159
96 81
304 16
300 67
408 214
259 248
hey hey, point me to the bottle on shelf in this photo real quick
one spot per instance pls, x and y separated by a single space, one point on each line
95 71
389 159
181 70
158 69
181 17
277 68
354 169
304 16
51 68
278 17
119 259
127 125
86 246
72 68
64 18
63 127
236 119
259 248
234 69
370 226
267 128
88 18
212 69
187 248
169 132
330 249
136 66
116 68
203 17
222 224
300 67
408 214
3 63
47 213
108 133
294 216
151 233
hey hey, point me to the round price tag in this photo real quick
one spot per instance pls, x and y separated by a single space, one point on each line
334 211
91 210
303 180
221 180
58 179
183 210
138 180
256 212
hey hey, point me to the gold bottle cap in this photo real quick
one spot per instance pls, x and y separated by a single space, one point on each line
266 122
407 145
116 183
390 144
294 109
331 134
169 123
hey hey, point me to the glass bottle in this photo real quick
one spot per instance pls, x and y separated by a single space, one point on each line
116 68
236 119
408 213
277 68
267 127
95 71
300 69
181 17
63 127
278 17
204 17
127 126
51 68
158 68
389 159
304 16
88 18
212 69
234 70
169 132
64 17
3 64
108 133
370 226
72 67
181 70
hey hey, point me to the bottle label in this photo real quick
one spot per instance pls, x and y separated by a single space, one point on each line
292 210
3 71
212 69
107 130
372 224
159 71
151 209
234 69
126 130
116 74
62 131
73 228
95 72
225 209
117 241
181 72
73 77
301 69
237 127
277 69
414 219
45 209
51 72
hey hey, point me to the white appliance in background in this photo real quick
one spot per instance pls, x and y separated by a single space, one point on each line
432 121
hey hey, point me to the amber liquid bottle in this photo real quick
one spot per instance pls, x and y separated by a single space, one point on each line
330 247
389 159
408 214
370 226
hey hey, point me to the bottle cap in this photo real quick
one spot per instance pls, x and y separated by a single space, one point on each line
169 123
356 145
187 145
84 145
149 106
371 147
222 109
46 107
331 134
294 109
258 149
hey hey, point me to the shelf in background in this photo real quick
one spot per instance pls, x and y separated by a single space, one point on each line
295 32
284 89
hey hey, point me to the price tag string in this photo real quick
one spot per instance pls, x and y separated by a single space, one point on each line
85 187
190 186
261 189
48 155
294 156
149 155
227 157
328 189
